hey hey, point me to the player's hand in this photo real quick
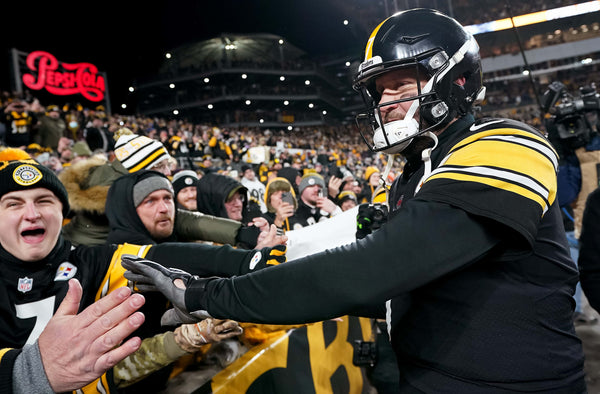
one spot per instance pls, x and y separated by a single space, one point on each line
147 275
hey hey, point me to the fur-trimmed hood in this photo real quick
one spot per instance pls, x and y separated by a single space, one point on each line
87 183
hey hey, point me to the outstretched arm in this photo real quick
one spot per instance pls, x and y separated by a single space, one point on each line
401 256
76 348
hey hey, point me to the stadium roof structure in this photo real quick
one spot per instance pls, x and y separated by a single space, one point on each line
258 48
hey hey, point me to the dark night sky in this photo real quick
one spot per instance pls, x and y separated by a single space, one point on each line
127 41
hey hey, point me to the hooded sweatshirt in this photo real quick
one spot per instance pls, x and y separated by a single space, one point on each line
125 224
213 190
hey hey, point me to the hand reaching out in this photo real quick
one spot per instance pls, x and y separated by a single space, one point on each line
191 337
78 348
268 239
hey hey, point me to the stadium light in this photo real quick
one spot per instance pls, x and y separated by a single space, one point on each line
535 17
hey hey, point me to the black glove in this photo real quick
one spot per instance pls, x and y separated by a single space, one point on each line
370 217
147 275
268 256
275 255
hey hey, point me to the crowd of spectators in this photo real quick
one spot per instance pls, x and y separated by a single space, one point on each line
95 153
61 136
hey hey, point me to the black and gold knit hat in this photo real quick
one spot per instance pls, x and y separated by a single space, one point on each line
18 171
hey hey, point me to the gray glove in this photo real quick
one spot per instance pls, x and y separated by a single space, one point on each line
146 275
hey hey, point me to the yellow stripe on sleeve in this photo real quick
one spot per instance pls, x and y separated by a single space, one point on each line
509 159
497 183
502 131
4 351
523 160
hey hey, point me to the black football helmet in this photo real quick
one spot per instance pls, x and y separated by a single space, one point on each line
440 51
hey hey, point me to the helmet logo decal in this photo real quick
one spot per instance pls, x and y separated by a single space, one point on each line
370 62
411 40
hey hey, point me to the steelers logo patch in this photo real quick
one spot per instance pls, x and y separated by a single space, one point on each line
255 260
27 175
188 181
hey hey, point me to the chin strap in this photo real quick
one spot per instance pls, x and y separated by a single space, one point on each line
426 157
384 175
386 170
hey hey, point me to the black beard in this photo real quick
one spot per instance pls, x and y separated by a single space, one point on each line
413 151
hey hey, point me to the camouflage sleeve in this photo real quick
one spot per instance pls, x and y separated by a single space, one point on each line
154 353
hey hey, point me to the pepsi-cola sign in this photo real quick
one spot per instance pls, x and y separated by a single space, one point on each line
63 78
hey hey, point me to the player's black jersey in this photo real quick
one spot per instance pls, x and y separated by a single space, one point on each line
525 281
473 266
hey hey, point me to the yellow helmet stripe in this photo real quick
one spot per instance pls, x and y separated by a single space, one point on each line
369 48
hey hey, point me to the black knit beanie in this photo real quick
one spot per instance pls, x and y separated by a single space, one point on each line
29 174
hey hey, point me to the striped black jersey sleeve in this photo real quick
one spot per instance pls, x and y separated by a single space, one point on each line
476 176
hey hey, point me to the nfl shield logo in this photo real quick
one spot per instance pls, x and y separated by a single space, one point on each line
25 284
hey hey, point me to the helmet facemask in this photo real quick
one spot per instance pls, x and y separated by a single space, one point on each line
426 113
446 57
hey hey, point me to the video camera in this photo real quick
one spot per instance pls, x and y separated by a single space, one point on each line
573 120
